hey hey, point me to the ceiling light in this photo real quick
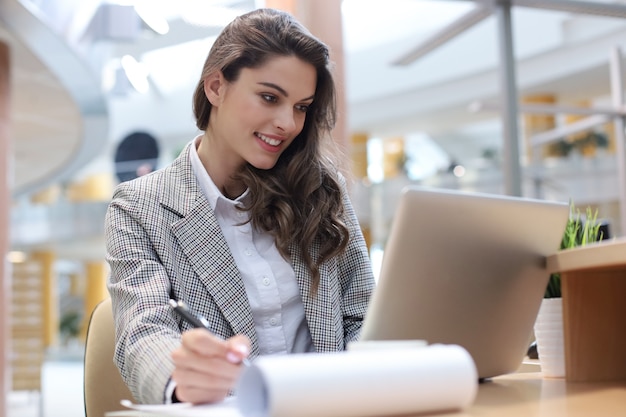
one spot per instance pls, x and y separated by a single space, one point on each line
136 73
152 18
458 171
16 257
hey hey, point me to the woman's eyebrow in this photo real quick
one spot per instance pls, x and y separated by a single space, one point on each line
282 90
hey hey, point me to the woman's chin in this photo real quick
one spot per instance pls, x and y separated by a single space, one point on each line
264 164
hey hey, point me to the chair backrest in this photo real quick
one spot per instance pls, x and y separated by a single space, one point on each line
103 384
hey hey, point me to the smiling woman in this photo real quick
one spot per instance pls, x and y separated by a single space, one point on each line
251 226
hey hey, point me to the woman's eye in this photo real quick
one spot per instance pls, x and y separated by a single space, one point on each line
269 98
302 107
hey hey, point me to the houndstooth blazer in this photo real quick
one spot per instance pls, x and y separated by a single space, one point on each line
163 242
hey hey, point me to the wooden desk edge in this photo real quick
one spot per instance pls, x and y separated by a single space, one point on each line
605 254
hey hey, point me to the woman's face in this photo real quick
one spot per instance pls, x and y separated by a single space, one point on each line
255 118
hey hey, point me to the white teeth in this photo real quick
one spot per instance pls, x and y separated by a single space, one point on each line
269 141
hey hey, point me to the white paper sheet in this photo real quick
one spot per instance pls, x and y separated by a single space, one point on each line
360 383
226 408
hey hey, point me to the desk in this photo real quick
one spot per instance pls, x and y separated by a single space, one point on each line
530 395
527 394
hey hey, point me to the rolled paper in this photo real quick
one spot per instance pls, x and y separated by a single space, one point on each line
363 383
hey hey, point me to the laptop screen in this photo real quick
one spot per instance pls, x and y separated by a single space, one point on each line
468 269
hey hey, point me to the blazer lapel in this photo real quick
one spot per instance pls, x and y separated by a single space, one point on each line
202 241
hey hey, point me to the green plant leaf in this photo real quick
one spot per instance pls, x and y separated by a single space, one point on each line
576 233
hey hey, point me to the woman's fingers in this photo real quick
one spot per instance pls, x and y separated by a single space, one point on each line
200 387
203 342
207 367
199 395
238 348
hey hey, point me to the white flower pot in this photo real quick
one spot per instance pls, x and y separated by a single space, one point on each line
549 336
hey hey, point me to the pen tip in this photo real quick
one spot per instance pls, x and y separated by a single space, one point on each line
173 303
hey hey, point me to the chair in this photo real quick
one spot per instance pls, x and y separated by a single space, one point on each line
103 384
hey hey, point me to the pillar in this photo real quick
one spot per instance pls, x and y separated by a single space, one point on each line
537 123
47 196
609 131
5 196
77 289
358 162
95 187
394 157
95 290
358 154
286 5
50 297
323 18
27 323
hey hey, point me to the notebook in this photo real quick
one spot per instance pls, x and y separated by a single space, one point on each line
468 269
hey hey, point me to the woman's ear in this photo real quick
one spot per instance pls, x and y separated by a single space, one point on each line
214 84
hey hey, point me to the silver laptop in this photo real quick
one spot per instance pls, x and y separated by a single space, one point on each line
467 269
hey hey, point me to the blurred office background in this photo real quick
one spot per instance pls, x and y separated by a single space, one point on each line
521 98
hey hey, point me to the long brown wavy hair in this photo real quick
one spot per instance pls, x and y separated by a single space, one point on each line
299 200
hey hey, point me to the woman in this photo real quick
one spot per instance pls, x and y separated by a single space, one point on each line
251 226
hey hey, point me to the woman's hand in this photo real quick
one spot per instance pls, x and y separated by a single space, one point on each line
206 366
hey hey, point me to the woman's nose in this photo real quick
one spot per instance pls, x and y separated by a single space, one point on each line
285 120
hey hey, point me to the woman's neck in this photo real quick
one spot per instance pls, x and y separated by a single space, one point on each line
218 168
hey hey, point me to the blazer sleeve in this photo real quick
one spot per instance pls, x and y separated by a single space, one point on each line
146 331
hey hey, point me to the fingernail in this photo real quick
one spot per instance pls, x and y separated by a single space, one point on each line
237 353
243 349
232 357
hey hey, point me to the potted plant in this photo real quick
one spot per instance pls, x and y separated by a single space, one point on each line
577 233
549 323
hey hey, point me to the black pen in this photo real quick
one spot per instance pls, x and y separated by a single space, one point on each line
196 321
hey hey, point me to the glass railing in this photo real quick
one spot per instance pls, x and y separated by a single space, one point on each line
61 222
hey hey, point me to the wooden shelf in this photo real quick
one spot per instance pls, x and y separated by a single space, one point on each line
605 254
593 284
27 331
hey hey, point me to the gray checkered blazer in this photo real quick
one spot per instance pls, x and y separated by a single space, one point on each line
163 242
